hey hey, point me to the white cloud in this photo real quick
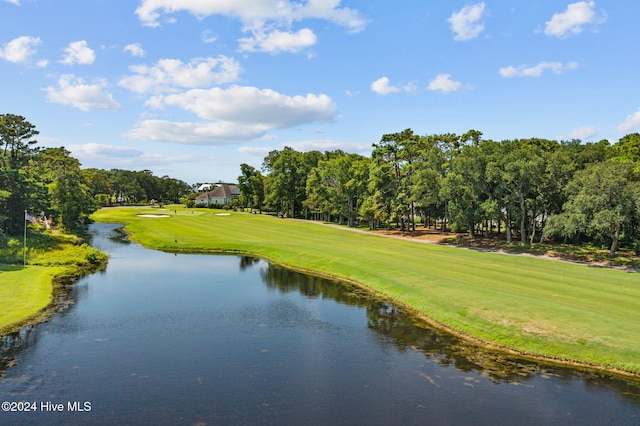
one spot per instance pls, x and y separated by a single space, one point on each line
252 106
78 53
254 13
99 151
254 151
537 70
467 22
122 157
278 41
19 49
631 123
232 115
268 21
135 49
169 74
75 92
16 2
443 83
328 9
208 36
581 133
573 19
200 133
329 145
383 87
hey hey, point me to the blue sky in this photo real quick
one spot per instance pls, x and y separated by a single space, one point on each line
192 89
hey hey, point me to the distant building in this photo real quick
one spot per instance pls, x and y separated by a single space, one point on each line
222 195
205 187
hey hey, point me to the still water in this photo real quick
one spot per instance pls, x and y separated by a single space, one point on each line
160 338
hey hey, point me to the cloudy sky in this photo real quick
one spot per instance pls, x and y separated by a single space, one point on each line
192 89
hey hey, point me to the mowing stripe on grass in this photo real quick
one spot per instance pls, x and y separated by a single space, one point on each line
532 305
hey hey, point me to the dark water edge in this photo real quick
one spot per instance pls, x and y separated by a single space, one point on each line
288 349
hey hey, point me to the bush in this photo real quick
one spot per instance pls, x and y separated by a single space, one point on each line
93 256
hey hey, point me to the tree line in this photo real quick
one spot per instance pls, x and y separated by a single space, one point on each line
49 183
524 189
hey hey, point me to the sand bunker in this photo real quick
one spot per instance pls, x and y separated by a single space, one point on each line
223 214
153 215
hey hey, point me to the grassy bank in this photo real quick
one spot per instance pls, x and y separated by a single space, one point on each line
543 308
25 293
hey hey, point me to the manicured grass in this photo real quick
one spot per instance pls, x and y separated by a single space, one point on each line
26 292
539 307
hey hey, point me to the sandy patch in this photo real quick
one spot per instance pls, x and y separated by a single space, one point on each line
153 215
223 214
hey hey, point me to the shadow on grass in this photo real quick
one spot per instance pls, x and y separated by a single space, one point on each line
46 241
37 242
10 268
625 258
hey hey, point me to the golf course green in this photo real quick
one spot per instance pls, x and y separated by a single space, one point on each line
541 308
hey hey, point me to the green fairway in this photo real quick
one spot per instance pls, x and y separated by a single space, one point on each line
24 293
539 307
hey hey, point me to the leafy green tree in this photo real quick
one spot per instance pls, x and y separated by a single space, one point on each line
20 191
425 191
318 199
285 189
356 186
174 190
399 151
336 185
251 184
603 199
381 203
16 136
517 173
628 149
151 185
99 183
550 195
442 149
583 154
70 198
465 187
126 187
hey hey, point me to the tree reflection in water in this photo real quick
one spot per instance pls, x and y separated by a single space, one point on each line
390 323
407 331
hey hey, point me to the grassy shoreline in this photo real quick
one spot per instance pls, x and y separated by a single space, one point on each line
27 293
539 308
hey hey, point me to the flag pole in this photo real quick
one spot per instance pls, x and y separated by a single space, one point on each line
24 256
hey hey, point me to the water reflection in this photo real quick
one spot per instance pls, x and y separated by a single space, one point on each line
409 332
12 344
206 339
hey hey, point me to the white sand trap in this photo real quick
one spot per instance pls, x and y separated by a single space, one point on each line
223 214
153 215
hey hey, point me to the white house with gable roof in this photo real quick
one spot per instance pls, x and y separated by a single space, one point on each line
222 195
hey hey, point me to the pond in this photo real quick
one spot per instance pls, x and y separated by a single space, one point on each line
159 338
